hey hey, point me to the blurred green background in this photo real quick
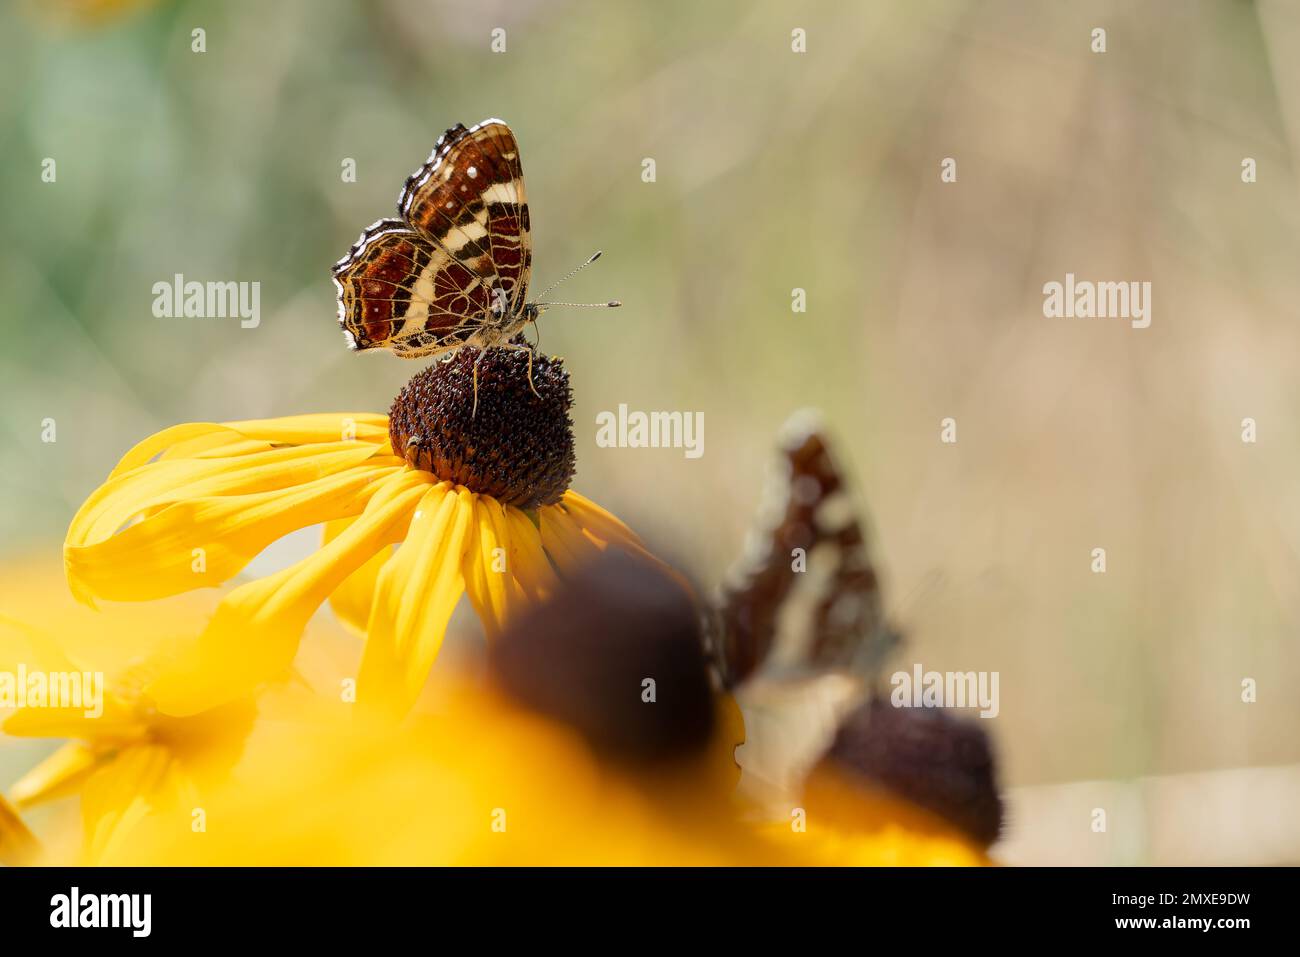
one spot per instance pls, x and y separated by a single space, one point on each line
775 170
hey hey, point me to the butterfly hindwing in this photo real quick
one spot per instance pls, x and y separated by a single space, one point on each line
399 291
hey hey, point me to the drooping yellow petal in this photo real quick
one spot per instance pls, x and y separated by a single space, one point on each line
18 845
599 528
206 541
157 484
254 633
418 589
564 540
530 566
351 601
488 566
605 526
60 775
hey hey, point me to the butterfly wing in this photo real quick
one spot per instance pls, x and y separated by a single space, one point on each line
807 584
398 291
425 284
469 200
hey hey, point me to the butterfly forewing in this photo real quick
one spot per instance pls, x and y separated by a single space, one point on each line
459 258
469 199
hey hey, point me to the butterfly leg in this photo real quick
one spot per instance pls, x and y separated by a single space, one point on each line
482 353
524 347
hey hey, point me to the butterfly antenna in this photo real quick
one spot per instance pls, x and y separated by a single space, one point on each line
612 304
573 272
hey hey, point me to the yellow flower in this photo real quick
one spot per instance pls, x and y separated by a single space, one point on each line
479 782
479 501
124 758
483 781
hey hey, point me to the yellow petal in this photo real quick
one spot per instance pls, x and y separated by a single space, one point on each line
147 449
123 791
18 845
224 444
206 541
317 427
418 589
488 568
60 775
351 601
530 566
150 487
113 721
602 523
564 539
102 713
254 633
600 528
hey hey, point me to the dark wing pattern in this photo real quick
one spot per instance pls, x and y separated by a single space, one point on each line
806 582
469 199
398 291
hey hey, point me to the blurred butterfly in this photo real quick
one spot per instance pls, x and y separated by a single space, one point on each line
453 271
804 602
805 596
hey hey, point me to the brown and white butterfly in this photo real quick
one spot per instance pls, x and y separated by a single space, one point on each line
805 597
454 270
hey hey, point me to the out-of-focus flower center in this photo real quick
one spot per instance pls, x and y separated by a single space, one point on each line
936 761
516 447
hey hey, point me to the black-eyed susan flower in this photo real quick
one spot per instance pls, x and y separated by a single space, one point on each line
478 500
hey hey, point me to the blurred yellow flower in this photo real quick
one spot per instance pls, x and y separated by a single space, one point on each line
484 782
124 758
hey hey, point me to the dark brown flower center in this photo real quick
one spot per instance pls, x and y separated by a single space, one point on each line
616 653
517 446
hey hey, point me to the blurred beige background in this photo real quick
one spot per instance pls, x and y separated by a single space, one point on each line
775 170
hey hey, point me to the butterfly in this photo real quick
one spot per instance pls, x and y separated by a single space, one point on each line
805 601
806 589
453 271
